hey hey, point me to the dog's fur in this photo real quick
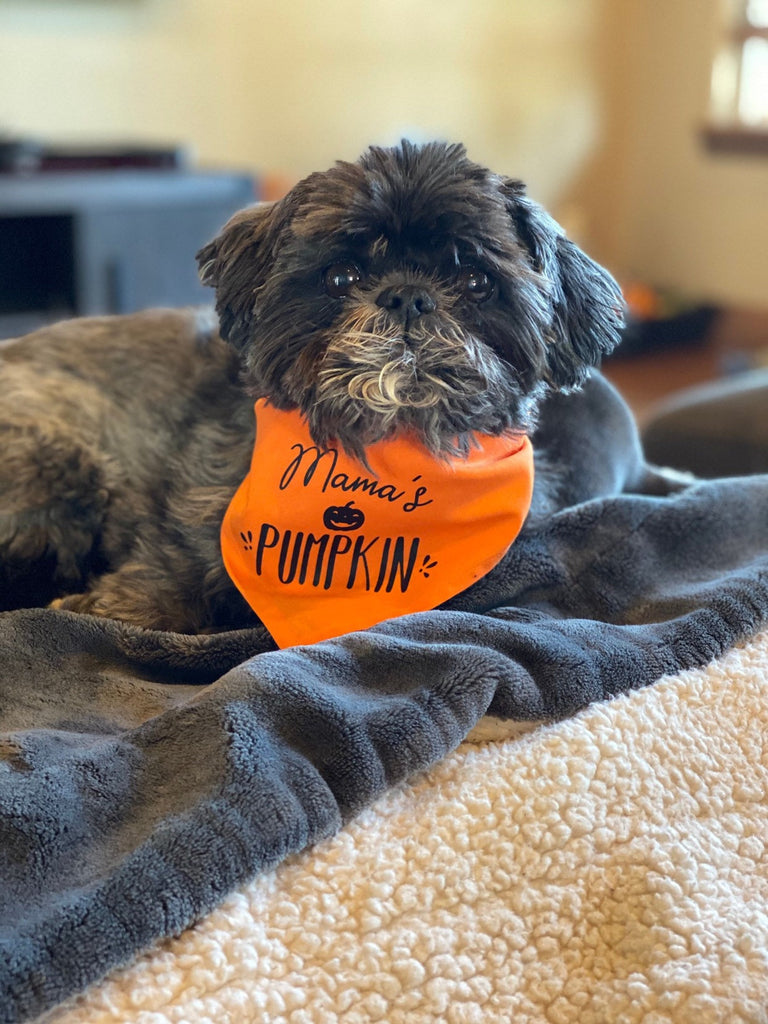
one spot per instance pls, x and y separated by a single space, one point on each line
411 290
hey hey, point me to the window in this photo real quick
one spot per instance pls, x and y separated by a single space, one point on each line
739 98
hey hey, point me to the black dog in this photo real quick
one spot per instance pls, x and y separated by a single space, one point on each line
411 291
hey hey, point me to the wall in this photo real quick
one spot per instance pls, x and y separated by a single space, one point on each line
656 204
291 86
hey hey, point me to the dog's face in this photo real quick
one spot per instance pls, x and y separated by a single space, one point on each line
412 290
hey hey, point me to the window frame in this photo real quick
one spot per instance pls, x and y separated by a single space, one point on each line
731 134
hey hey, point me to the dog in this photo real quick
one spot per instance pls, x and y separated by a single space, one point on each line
413 291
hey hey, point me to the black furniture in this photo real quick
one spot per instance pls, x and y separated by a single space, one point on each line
93 242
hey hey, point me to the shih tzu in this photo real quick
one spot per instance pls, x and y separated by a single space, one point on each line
412 294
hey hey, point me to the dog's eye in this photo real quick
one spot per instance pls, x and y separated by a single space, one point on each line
340 278
476 284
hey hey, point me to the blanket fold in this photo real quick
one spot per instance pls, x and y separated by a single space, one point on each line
144 775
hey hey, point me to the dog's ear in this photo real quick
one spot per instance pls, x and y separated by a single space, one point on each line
236 264
587 304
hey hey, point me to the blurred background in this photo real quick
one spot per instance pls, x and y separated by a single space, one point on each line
641 124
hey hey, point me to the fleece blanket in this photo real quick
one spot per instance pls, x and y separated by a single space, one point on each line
143 776
609 868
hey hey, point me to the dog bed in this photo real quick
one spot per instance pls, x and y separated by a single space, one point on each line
718 429
609 860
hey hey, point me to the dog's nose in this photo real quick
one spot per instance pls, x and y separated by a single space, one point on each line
406 301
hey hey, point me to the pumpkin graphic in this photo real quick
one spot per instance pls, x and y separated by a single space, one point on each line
343 517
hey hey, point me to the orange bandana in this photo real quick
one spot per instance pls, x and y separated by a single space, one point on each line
319 545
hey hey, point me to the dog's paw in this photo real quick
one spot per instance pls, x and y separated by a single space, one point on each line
72 603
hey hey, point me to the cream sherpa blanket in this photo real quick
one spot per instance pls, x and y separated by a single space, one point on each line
608 869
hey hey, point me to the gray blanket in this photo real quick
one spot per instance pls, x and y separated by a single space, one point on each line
144 775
